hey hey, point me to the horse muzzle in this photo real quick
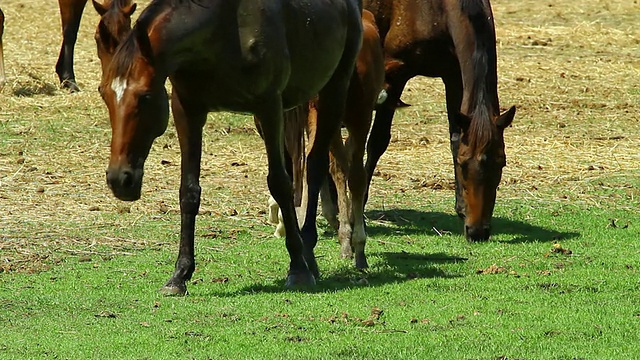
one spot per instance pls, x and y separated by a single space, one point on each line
125 182
477 233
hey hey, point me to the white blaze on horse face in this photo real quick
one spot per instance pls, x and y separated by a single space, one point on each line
119 85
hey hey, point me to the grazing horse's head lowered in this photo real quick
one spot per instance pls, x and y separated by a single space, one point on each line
479 164
139 113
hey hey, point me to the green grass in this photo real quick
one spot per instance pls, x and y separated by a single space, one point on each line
79 270
533 304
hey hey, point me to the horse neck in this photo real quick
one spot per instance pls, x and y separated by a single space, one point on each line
171 29
484 75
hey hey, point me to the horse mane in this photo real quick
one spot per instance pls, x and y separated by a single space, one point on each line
125 53
485 99
121 3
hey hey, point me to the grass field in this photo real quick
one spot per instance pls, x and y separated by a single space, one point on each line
559 279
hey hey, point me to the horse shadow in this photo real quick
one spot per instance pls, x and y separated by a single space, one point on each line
414 222
398 267
395 267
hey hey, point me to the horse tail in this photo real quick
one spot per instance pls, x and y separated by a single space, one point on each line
295 125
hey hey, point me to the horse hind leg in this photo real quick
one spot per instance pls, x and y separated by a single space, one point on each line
302 269
331 109
3 77
70 15
339 169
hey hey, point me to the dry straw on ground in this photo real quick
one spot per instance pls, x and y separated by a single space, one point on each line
571 67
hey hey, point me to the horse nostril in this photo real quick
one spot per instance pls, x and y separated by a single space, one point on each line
126 179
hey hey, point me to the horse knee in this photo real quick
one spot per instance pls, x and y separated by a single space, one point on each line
190 199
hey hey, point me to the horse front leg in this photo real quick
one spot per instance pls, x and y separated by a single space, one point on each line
380 135
453 90
270 115
70 15
189 128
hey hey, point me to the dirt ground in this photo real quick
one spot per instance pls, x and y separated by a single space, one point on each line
572 68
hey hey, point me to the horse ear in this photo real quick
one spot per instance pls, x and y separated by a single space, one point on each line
128 11
463 121
100 8
505 119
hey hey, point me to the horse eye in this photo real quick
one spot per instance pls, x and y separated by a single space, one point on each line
144 98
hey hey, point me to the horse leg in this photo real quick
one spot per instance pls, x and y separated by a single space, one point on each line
358 126
380 135
70 14
339 169
271 118
331 106
453 89
189 128
3 77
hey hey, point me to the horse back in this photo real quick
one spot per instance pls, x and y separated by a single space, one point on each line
249 48
426 35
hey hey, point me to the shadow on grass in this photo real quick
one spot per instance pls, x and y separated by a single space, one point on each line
396 267
412 222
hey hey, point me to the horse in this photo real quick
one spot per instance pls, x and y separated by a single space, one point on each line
113 27
246 56
453 40
346 164
3 76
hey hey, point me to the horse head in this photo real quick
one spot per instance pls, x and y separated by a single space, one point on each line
114 25
135 95
480 160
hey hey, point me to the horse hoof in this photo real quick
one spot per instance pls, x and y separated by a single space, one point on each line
173 290
70 85
361 261
300 280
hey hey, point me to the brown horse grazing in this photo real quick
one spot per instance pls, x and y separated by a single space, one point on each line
453 40
247 56
113 27
3 77
346 165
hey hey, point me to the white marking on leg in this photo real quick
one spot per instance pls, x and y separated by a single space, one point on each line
119 85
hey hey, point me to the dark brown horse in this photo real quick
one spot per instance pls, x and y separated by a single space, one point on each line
453 40
3 77
247 56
